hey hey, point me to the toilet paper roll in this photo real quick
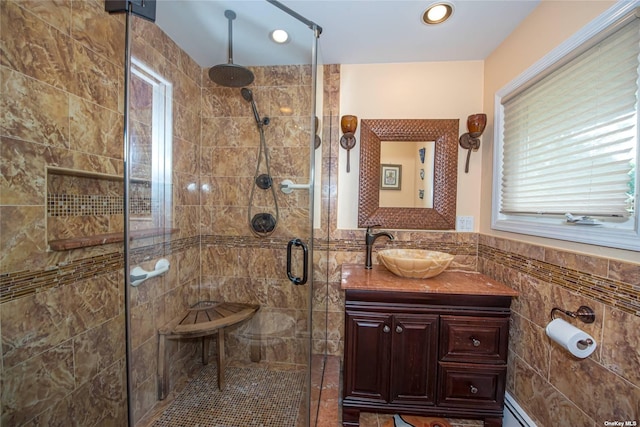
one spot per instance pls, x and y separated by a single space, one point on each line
571 338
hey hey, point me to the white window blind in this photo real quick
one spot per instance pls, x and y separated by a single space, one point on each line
569 139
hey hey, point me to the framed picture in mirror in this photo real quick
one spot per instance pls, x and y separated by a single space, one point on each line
391 177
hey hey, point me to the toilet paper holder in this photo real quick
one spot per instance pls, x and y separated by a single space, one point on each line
583 313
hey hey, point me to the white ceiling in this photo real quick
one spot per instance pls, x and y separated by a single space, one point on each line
353 31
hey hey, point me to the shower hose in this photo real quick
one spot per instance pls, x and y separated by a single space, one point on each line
263 224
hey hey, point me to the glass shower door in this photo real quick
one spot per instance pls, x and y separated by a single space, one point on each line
197 151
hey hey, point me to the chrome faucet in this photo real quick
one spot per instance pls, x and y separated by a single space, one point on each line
370 238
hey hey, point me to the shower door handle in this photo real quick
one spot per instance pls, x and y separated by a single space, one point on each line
297 280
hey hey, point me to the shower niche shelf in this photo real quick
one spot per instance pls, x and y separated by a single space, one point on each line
106 238
86 209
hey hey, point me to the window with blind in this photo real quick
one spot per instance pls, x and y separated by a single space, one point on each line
567 140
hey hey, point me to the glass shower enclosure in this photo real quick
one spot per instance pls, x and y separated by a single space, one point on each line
220 167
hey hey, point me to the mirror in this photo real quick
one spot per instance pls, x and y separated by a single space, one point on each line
406 174
444 134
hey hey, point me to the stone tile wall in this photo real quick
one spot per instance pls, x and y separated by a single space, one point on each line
236 265
551 385
61 313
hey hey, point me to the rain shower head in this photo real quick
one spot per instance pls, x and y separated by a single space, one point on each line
230 74
248 96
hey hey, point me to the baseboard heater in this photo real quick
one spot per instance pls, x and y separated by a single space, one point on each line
514 415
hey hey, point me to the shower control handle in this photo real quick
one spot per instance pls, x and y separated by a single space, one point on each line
297 280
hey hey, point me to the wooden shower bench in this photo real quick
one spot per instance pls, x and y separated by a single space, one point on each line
204 319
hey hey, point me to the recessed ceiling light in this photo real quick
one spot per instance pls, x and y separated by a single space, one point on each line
279 36
437 13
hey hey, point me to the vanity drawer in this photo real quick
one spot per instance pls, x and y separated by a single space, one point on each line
474 339
471 386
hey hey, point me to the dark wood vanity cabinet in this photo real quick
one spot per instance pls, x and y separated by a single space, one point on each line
424 354
404 344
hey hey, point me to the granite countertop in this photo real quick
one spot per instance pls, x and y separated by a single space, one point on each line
454 282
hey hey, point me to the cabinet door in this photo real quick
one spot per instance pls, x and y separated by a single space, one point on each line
414 351
366 355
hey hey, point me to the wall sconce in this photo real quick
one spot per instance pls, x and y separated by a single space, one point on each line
349 124
471 140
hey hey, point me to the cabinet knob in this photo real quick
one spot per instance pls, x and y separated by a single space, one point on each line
476 342
398 329
386 329
473 389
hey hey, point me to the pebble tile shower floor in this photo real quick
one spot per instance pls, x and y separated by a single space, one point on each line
253 396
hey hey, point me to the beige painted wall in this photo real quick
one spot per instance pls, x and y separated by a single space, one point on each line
434 90
548 26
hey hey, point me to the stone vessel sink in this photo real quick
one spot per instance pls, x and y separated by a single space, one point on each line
414 263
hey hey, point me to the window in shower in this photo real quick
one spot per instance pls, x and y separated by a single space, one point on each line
150 128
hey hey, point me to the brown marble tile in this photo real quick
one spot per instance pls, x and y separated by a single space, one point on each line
535 300
22 114
98 349
185 189
94 129
34 48
23 238
142 324
579 262
56 13
187 220
288 101
224 220
96 78
620 343
233 132
185 123
76 226
102 32
144 399
101 399
21 181
625 272
224 102
144 365
544 403
531 343
186 156
606 397
234 161
32 386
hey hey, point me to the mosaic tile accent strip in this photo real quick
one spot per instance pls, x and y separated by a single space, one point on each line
96 204
24 283
252 397
19 284
245 241
83 204
455 248
621 295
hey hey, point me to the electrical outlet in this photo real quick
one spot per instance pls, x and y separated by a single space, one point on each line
464 223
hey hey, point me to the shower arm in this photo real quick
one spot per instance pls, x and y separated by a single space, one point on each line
230 48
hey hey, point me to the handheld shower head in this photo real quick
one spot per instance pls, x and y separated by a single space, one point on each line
248 96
